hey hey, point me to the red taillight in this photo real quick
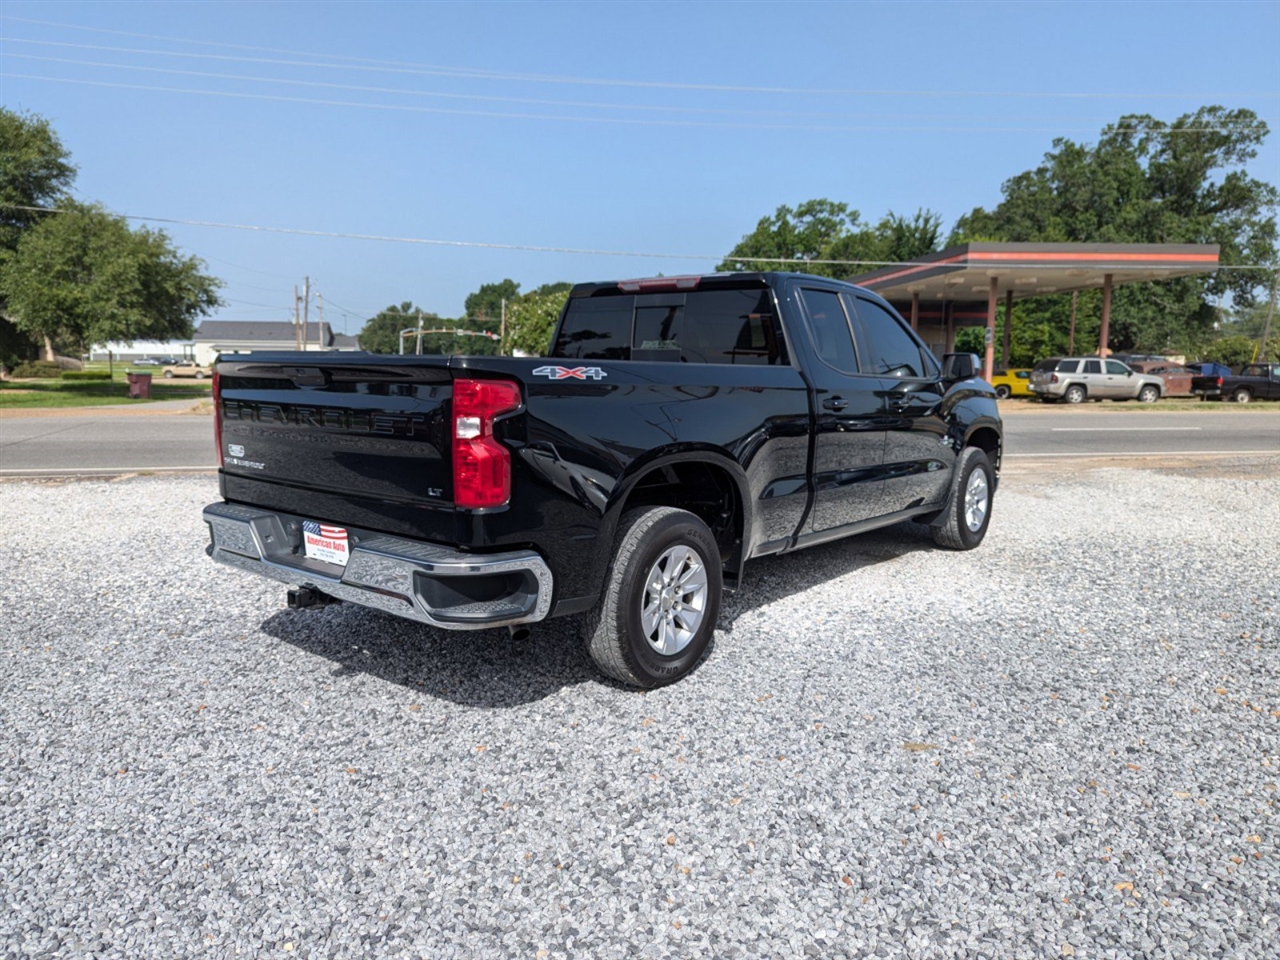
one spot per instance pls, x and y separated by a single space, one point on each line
217 415
481 465
659 283
1053 378
1219 381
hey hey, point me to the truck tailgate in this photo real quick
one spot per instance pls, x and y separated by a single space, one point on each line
339 424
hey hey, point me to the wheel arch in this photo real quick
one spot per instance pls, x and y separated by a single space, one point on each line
987 437
702 480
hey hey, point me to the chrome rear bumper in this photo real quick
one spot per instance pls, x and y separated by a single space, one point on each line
420 581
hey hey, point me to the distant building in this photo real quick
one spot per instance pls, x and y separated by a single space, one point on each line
224 337
130 350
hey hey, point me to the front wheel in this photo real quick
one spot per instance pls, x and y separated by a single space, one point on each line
1149 394
661 599
1242 395
168 374
964 521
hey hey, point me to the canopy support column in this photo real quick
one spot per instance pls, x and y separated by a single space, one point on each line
989 338
1008 328
1104 334
915 311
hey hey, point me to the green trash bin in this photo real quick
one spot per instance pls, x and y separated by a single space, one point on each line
139 386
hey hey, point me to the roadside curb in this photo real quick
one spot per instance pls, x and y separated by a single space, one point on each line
161 408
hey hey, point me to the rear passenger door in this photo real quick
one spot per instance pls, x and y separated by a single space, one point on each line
1091 376
849 435
917 457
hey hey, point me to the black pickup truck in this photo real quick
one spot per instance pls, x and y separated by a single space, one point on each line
680 427
1255 381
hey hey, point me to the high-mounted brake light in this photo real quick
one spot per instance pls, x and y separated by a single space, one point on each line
217 415
481 465
659 283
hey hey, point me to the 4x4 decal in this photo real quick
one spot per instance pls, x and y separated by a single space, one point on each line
566 373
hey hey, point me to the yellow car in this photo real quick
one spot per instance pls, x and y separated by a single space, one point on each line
1011 383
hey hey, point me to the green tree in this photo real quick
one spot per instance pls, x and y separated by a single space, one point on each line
531 319
35 171
381 334
84 276
484 307
826 230
1148 181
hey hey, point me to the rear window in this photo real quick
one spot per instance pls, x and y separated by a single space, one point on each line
1047 366
698 326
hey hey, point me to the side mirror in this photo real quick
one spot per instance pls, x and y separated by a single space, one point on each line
1129 373
959 366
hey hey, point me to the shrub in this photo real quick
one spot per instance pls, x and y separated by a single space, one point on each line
37 368
86 375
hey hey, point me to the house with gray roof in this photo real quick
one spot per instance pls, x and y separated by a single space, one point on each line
223 337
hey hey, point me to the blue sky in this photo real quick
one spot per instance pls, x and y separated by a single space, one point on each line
643 127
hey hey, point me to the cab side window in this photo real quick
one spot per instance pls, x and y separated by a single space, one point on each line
829 329
1115 366
1092 366
886 348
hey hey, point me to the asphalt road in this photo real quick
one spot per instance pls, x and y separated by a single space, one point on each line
128 441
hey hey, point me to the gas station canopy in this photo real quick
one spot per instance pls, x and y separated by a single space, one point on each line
942 291
965 272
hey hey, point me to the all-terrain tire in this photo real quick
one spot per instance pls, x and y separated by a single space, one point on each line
963 522
614 632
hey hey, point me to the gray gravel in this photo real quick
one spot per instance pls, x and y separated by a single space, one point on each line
1064 743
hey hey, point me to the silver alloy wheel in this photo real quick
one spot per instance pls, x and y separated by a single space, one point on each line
675 599
976 500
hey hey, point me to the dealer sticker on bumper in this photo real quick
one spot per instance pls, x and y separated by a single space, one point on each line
323 542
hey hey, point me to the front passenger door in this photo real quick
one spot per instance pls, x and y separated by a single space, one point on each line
917 456
1119 380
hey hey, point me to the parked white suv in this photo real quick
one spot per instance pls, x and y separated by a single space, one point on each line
1077 379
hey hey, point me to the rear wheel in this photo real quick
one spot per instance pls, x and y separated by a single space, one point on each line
1242 395
661 599
964 521
1002 392
1149 394
1075 394
168 374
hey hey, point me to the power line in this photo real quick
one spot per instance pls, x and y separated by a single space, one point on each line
475 244
536 101
503 115
401 67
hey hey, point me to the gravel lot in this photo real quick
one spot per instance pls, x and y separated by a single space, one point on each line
1063 744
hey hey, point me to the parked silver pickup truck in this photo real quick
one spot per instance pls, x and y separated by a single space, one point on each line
1077 379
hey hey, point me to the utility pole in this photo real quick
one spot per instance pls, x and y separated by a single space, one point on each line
1266 327
297 339
306 307
502 328
320 321
418 348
